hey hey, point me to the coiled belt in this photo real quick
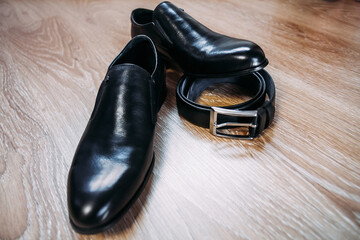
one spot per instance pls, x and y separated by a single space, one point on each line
256 113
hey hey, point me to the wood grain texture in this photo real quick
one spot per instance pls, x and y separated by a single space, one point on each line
299 180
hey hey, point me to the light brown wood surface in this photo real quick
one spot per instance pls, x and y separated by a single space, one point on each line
299 180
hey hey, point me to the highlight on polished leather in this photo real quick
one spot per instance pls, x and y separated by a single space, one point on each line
114 158
196 49
256 114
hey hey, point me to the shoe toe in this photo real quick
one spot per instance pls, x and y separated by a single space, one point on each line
88 214
93 195
256 56
249 54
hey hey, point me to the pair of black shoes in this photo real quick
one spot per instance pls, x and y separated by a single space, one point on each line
114 158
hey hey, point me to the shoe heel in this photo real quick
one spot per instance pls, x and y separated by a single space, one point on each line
169 62
163 94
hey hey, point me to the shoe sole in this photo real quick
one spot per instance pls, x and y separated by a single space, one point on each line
122 212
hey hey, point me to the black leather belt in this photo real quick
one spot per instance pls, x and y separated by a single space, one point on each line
256 113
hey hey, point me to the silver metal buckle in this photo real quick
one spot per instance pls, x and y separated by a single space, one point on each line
214 111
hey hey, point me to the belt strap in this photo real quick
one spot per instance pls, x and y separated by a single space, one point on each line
256 113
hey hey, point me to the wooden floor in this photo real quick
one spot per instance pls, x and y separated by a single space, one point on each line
299 180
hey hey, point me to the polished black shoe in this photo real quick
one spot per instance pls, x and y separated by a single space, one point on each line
197 50
114 158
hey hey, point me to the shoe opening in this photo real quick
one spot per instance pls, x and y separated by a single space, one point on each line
141 52
142 16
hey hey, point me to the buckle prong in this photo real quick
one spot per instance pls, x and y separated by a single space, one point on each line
214 111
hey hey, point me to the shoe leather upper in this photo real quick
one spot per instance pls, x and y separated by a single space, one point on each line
197 49
116 149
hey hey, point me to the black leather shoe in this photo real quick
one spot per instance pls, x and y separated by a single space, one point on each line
197 50
115 157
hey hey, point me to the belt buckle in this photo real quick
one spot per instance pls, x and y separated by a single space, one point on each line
214 111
